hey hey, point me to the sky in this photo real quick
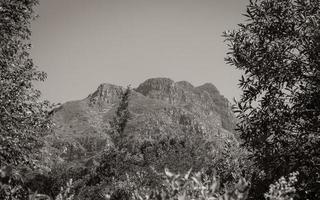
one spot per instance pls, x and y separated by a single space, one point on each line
83 43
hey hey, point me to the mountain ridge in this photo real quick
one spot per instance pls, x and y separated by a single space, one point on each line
158 107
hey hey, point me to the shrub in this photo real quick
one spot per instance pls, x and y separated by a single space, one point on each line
190 186
278 50
283 189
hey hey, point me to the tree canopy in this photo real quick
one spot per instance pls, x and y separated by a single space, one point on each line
278 49
22 115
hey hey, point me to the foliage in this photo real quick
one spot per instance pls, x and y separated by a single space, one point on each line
120 120
191 186
279 51
283 189
184 152
22 116
11 184
65 193
116 163
185 186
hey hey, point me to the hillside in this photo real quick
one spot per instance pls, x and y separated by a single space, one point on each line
159 107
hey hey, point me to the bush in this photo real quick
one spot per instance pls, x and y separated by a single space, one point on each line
278 50
283 189
191 186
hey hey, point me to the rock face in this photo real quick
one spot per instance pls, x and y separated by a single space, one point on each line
204 99
158 107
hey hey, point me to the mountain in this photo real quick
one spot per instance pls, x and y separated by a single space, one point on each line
159 107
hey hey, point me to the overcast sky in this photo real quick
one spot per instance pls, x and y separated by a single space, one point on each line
82 43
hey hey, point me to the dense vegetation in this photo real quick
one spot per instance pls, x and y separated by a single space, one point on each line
278 50
23 118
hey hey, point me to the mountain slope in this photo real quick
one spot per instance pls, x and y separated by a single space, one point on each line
159 107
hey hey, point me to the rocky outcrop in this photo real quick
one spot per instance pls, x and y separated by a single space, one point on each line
204 99
106 94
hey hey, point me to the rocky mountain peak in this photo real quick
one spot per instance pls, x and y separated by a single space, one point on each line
210 88
181 92
160 84
185 84
159 88
105 94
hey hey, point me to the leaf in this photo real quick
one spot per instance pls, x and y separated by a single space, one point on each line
182 196
195 180
214 185
188 173
168 173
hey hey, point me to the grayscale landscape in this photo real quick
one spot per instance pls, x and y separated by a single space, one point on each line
159 100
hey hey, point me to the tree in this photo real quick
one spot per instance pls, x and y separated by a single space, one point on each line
278 48
22 116
120 120
113 163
